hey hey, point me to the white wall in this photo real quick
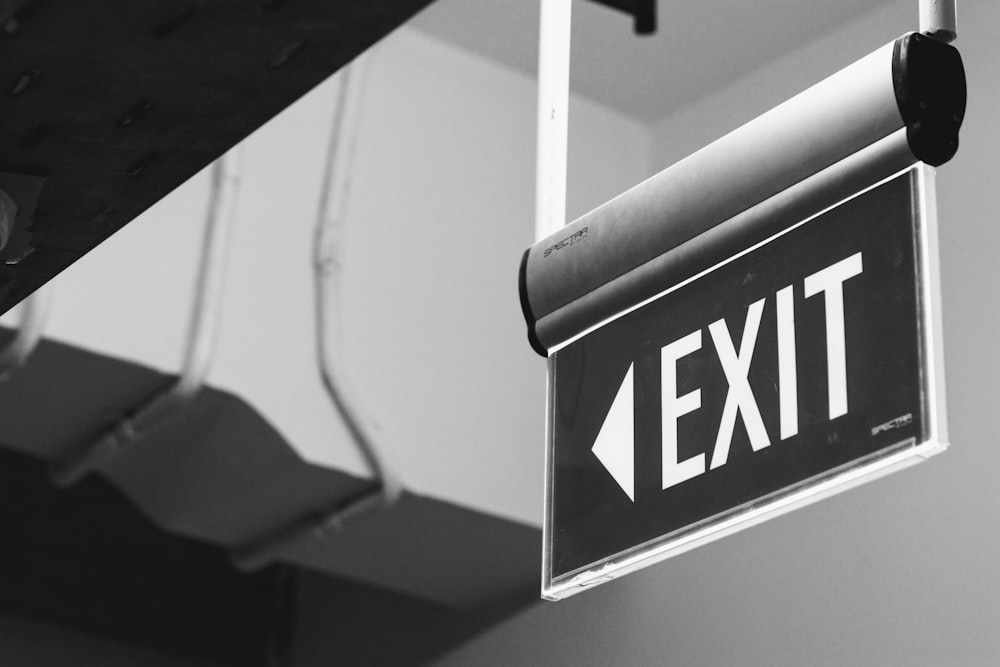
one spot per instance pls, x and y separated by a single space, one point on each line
701 121
444 208
440 210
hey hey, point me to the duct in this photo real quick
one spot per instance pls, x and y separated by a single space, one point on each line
589 271
201 337
218 472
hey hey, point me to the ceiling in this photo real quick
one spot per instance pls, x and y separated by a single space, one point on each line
699 46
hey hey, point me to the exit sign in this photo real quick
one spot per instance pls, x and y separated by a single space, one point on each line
801 366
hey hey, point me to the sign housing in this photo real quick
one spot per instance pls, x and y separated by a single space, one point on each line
798 367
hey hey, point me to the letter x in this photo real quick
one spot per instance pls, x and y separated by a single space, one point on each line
740 398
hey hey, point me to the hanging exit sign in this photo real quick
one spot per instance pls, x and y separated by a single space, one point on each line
797 368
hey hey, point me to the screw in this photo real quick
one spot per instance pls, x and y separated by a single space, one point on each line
137 111
141 165
285 54
24 81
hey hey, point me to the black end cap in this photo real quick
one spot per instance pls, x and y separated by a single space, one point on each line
929 81
644 13
529 317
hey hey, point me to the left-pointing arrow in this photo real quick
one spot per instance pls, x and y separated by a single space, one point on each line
615 443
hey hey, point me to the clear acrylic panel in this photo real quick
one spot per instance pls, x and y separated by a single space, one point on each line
798 368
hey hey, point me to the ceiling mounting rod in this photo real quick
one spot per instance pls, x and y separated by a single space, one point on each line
939 19
328 242
29 333
554 34
552 137
225 175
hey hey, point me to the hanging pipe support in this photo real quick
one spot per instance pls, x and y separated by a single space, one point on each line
201 337
328 236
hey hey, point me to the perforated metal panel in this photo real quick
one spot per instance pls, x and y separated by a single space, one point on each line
117 102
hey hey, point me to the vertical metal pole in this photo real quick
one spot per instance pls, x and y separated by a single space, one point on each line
550 164
939 19
553 109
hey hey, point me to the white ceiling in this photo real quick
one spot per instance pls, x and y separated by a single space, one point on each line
700 46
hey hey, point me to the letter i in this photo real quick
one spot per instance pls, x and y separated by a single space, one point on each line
787 379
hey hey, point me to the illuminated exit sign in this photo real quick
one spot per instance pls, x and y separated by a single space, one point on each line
798 367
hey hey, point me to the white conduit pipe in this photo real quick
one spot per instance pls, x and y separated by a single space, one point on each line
328 244
29 333
328 238
939 19
210 287
202 330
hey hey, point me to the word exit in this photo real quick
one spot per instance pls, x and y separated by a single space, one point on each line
614 446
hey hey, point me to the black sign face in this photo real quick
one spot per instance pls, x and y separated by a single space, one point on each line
774 370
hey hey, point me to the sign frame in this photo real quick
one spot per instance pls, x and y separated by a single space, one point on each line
802 493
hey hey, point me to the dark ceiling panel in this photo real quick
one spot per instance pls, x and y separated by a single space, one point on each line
117 102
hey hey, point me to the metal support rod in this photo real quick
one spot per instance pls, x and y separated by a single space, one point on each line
29 333
8 214
939 19
553 113
201 338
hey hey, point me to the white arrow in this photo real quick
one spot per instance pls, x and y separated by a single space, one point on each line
615 443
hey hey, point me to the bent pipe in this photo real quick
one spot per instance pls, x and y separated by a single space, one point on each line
201 337
903 103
